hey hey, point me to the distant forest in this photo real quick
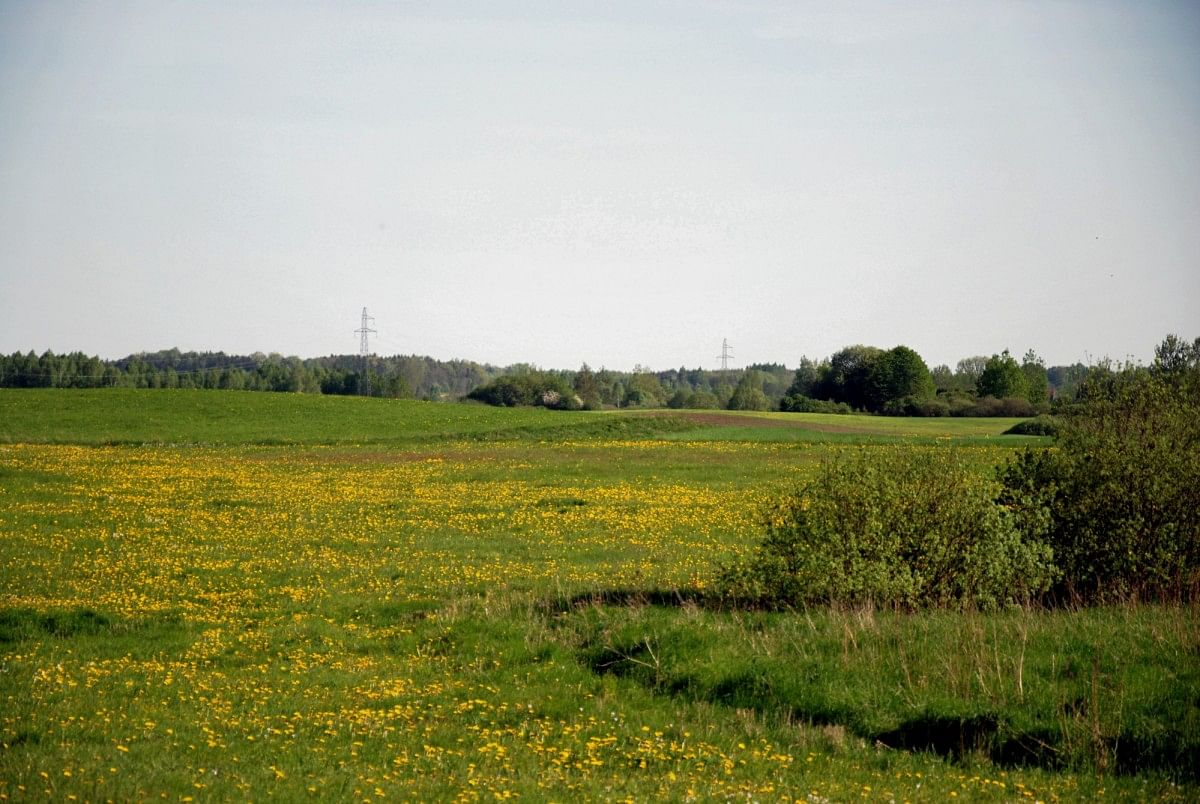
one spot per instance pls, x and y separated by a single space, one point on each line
893 381
856 378
399 376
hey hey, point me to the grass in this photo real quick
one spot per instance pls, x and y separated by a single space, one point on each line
213 595
130 416
828 428
1053 689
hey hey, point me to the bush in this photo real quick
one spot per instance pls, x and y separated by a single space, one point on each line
910 528
989 406
933 407
917 406
1038 426
1121 486
748 395
961 403
534 388
702 400
798 403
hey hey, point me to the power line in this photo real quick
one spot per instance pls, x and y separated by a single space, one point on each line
364 349
726 353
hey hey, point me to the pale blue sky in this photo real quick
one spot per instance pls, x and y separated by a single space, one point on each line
610 183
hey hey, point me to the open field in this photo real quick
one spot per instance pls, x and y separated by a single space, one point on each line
127 416
213 595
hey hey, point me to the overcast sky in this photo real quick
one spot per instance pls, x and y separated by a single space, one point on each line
613 183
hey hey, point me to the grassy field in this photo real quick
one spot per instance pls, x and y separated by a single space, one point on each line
213 595
126 416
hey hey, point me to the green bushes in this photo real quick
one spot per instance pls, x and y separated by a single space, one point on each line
917 406
798 403
905 527
534 388
1123 484
748 395
988 406
1038 426
702 400
1111 513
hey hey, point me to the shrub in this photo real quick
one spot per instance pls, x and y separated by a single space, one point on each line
917 406
702 400
797 403
530 388
895 527
931 407
1121 486
1038 426
961 404
748 395
988 406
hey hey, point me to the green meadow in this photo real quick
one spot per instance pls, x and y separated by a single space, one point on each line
210 595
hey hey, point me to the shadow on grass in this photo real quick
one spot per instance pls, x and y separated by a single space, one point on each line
104 632
988 734
618 598
17 625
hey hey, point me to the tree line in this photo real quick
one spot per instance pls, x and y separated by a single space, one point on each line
893 381
865 378
897 381
399 376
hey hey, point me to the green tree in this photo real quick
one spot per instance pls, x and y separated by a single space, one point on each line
1003 378
1120 486
845 380
1175 358
678 400
702 400
748 395
896 376
643 389
588 388
1037 382
943 378
1065 380
804 380
968 371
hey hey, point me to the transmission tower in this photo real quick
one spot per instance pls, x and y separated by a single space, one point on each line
726 353
364 350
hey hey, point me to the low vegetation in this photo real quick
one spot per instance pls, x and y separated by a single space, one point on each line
214 595
1112 513
529 389
1066 690
896 527
1121 486
1043 425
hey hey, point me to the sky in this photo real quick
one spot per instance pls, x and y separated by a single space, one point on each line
610 183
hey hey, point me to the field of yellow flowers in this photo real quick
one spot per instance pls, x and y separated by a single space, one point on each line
376 621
